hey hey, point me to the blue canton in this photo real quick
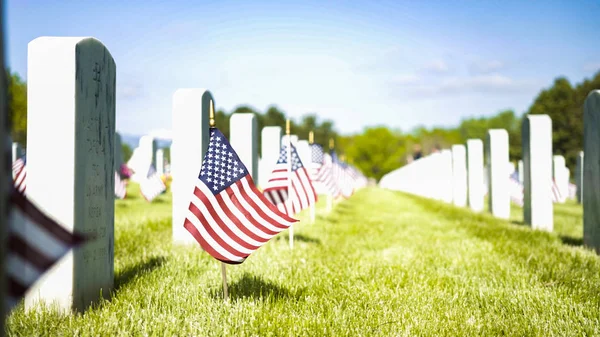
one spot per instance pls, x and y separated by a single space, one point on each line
317 153
296 162
221 166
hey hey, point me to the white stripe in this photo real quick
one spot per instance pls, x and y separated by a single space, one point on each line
209 240
251 210
300 195
238 213
35 235
307 186
21 270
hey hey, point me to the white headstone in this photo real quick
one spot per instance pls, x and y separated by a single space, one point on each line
579 177
118 152
270 147
475 174
559 176
445 176
293 138
160 162
537 159
17 151
497 157
591 171
191 109
243 134
521 171
71 87
459 175
303 149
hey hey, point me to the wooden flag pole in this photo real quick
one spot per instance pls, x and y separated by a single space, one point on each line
311 140
330 195
211 123
289 177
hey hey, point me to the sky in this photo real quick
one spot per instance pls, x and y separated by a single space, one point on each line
358 63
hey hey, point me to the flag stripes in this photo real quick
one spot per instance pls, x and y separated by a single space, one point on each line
19 172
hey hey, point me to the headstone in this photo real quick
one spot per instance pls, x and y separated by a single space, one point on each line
579 177
243 134
270 146
293 138
160 162
303 149
537 159
559 176
142 158
148 146
521 171
445 175
118 152
459 175
71 86
5 173
191 109
17 151
496 151
475 174
591 171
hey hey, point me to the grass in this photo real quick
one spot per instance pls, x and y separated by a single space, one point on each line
382 263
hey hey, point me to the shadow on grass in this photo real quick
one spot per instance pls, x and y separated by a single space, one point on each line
256 288
517 222
571 241
299 238
137 270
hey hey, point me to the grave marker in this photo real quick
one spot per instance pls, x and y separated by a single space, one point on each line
445 173
243 134
496 151
459 175
270 147
521 171
71 86
190 140
160 162
303 149
591 171
475 176
537 159
559 176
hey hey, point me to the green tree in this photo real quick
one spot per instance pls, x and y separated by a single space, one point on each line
17 93
127 151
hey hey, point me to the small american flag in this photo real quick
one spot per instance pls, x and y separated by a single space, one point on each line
515 190
556 195
120 186
228 215
35 243
341 177
153 185
19 171
321 170
301 194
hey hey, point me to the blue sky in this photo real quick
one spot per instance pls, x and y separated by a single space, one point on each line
400 64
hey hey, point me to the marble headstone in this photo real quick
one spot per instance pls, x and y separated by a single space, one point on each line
243 134
537 159
521 169
475 179
303 149
160 162
445 175
270 146
293 138
71 86
496 151
579 177
191 109
459 175
591 171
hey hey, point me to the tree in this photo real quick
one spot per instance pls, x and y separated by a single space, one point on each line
127 151
17 93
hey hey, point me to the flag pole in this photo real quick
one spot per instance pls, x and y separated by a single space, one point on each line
212 124
311 140
289 176
330 195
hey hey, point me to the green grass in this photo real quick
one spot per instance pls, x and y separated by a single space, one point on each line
382 263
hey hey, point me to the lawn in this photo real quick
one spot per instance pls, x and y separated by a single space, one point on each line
382 263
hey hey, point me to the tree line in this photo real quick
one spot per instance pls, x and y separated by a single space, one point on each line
378 150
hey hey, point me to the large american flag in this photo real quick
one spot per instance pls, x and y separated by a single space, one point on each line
301 194
153 185
120 186
35 243
321 170
228 215
19 173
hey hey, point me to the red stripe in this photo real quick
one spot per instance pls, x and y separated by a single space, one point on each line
208 248
198 214
308 189
263 201
242 227
248 215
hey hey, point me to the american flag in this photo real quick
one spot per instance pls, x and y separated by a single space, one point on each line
302 194
120 186
35 243
572 191
556 195
19 172
321 170
153 185
515 190
228 215
359 180
341 177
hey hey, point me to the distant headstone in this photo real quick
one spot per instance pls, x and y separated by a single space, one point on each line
17 151
243 134
303 149
579 177
521 169
191 109
475 174
118 152
270 146
293 138
459 175
445 176
591 171
71 86
496 150
160 162
559 176
537 159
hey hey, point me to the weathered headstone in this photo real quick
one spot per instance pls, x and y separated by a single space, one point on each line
496 151
579 177
243 132
475 174
303 149
459 175
521 173
118 152
17 151
536 136
591 171
191 109
270 147
74 79
160 162
559 176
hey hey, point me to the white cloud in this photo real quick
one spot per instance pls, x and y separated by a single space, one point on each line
437 66
485 67
592 66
